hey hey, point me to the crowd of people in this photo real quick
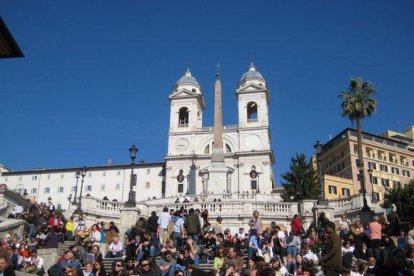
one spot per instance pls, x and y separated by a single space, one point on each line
177 242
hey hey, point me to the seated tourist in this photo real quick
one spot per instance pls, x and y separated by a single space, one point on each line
98 269
232 259
87 270
146 269
34 264
5 268
165 263
115 249
118 269
130 268
69 261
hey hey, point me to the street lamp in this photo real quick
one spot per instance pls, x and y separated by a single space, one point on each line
373 197
77 175
70 200
131 195
318 148
365 207
79 208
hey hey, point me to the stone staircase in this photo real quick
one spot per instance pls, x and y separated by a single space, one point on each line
62 247
208 267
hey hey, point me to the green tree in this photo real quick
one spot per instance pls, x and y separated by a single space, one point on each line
301 181
358 102
402 197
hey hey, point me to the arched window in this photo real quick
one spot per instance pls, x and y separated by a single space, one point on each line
183 117
207 149
228 149
252 112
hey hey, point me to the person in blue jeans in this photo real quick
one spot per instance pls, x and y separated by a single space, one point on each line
149 247
254 242
292 244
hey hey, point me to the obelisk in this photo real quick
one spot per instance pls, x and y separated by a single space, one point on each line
218 153
217 171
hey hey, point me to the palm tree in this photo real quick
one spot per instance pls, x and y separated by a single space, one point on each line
358 102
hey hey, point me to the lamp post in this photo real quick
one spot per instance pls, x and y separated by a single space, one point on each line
365 207
70 200
77 175
373 197
79 208
131 195
318 148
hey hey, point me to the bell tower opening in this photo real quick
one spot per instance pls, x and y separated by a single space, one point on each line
183 117
252 112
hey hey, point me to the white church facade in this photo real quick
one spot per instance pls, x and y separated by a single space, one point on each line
248 156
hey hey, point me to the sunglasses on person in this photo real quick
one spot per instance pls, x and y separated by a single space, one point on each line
144 265
118 265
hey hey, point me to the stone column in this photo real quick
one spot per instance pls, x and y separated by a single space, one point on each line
128 217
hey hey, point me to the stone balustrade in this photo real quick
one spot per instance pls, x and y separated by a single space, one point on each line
233 207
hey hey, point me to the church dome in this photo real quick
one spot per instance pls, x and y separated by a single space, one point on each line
187 79
252 74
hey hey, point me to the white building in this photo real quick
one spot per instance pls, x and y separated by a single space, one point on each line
246 146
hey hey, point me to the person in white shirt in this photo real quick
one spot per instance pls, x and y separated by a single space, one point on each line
34 261
163 221
178 229
95 234
344 227
115 249
18 209
309 255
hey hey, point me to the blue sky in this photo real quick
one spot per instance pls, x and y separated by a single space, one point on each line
97 74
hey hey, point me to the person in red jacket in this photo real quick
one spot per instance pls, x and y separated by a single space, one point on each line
55 220
296 225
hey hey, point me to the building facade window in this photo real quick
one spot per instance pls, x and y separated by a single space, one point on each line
73 189
252 112
89 188
385 182
103 174
148 171
33 191
345 192
377 196
117 186
46 190
34 177
374 180
406 173
89 174
372 165
395 170
103 187
118 173
384 168
48 176
253 184
332 189
180 188
183 117
20 178
60 190
62 176
147 185
397 184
